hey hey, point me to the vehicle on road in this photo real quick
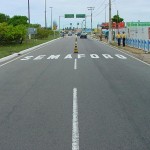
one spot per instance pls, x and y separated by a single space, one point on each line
62 34
79 33
83 35
70 34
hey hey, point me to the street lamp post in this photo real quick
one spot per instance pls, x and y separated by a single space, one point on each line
91 8
29 11
83 24
51 18
59 23
45 16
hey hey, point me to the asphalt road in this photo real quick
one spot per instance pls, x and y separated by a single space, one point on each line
53 99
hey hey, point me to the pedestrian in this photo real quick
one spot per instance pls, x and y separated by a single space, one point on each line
106 35
123 38
118 36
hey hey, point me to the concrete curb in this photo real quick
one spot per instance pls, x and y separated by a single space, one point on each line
8 57
25 51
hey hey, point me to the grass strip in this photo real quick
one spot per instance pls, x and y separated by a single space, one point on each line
6 50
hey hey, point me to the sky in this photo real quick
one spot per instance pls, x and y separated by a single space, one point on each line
130 10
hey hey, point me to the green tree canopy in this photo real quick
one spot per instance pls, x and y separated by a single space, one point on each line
117 19
35 25
4 18
9 33
18 20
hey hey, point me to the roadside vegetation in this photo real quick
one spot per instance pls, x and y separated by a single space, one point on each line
14 34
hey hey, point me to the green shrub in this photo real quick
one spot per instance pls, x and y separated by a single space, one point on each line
42 33
11 34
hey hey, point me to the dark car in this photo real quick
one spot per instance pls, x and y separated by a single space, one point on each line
79 33
70 34
83 35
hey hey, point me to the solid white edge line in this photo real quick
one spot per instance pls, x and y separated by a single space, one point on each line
129 55
123 51
75 64
27 53
75 127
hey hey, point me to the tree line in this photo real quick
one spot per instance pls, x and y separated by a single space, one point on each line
15 29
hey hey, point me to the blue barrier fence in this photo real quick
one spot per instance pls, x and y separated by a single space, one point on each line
138 43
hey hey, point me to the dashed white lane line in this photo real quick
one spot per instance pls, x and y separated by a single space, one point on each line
75 64
75 124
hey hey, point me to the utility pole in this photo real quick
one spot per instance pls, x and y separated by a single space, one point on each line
59 22
45 16
85 22
105 12
91 8
117 20
51 19
29 11
110 23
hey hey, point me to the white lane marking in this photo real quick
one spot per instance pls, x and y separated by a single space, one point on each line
107 56
28 52
68 56
130 56
81 55
94 56
75 127
120 56
75 64
53 57
27 58
39 57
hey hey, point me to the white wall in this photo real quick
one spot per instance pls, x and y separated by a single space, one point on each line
138 37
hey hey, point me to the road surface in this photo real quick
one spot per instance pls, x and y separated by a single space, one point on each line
53 99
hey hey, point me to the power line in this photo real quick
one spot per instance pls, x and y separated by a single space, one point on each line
106 5
102 10
99 6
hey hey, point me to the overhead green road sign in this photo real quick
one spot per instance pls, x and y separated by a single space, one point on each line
80 15
69 15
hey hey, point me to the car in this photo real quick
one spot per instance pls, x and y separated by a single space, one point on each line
79 33
83 35
62 34
70 34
